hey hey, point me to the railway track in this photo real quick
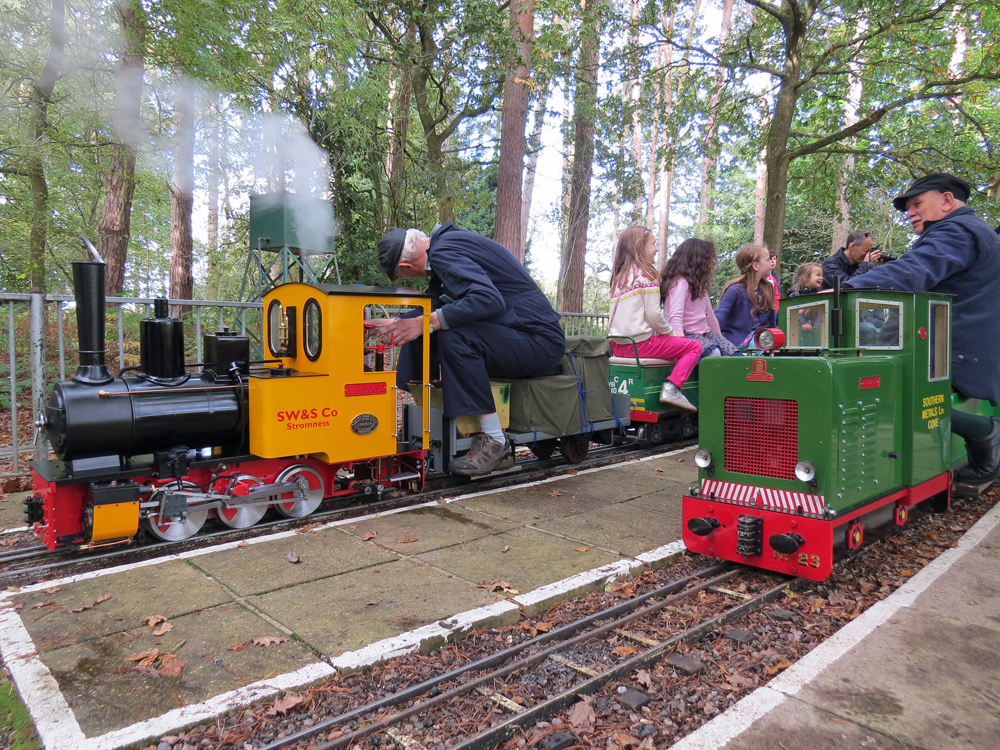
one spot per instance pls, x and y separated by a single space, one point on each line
574 660
35 563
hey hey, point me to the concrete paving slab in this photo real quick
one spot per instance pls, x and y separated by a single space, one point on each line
427 528
171 589
534 559
107 693
797 726
530 505
667 500
257 568
937 699
679 467
971 593
334 615
12 510
626 528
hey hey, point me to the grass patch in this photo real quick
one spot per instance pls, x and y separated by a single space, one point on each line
17 732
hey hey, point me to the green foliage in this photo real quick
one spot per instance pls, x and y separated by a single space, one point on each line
14 717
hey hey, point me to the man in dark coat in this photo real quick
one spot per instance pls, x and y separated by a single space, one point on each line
489 319
857 258
956 253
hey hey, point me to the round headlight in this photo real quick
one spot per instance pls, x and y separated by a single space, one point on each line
769 339
765 339
703 458
805 471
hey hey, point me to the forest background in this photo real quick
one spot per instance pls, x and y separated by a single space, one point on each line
147 126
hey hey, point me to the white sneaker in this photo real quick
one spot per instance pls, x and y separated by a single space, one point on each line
671 394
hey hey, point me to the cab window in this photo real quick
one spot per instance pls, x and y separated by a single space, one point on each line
807 325
939 345
879 324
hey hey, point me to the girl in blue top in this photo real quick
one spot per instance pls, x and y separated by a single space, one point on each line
748 302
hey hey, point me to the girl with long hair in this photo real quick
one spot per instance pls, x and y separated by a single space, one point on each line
747 302
684 284
636 314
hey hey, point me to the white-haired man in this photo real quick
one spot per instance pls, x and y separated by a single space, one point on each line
488 319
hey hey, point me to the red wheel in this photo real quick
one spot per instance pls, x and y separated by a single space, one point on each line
901 515
855 536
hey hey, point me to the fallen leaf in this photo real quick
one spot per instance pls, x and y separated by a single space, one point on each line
288 702
543 627
626 741
42 604
572 472
238 646
163 629
369 535
293 557
555 493
658 470
406 541
154 620
906 573
581 716
308 528
352 526
170 665
270 640
242 544
505 549
52 590
624 651
85 607
145 657
778 667
582 549
644 678
371 602
680 460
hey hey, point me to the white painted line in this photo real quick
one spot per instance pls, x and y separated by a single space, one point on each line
606 573
662 553
737 719
56 725
409 642
187 715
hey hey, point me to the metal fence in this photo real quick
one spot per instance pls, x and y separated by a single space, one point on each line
30 359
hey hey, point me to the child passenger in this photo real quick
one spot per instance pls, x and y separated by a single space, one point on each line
684 284
635 312
808 280
747 302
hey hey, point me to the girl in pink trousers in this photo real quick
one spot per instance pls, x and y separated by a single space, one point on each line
636 312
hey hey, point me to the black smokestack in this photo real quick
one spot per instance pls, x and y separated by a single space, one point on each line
88 285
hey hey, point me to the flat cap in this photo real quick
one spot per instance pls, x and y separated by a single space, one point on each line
390 247
943 183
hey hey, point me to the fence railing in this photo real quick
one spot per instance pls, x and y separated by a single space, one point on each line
30 358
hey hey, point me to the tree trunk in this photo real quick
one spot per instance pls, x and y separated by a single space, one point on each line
534 149
712 125
795 19
666 153
41 96
114 226
635 96
571 275
400 126
842 211
514 119
181 195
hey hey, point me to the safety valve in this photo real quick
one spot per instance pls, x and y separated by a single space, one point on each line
786 544
703 526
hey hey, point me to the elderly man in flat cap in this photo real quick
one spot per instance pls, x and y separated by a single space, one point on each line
489 319
956 253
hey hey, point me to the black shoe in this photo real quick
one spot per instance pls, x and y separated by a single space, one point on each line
984 458
484 457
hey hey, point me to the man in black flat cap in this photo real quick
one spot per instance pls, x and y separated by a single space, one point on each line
956 253
489 319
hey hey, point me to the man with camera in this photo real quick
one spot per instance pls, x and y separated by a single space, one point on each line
858 257
956 253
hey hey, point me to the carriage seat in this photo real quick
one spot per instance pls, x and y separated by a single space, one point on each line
643 361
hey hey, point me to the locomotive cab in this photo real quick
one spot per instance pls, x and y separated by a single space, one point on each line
804 451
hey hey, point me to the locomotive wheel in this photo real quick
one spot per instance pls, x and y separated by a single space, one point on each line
243 516
650 434
543 448
574 448
314 495
175 530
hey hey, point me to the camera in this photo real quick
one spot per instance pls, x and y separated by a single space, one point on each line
885 257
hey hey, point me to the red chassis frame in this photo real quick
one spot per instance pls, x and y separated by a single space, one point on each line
815 557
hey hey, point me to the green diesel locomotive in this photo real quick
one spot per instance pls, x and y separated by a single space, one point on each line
829 437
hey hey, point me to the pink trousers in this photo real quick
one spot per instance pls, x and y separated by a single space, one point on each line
687 352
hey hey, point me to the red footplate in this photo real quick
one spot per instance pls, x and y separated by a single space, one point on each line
738 529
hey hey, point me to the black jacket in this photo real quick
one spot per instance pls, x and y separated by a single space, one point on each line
840 265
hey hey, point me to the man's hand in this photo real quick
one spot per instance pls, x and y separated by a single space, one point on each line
807 327
873 256
404 329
